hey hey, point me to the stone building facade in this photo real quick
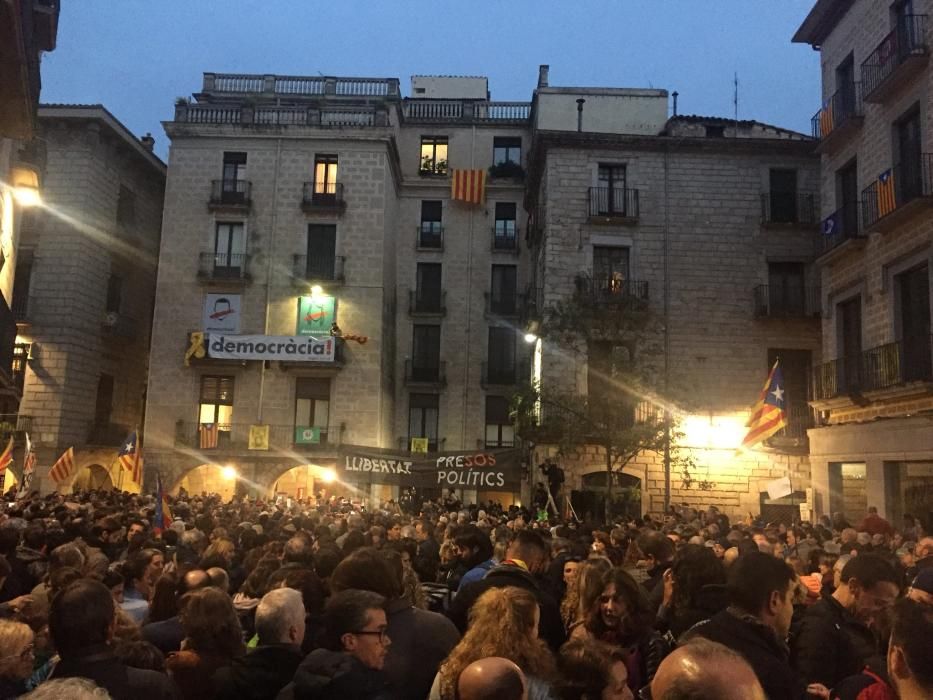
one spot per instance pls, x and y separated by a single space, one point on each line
711 224
872 392
85 285
286 194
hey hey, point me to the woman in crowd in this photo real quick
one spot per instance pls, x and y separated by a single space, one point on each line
593 671
583 590
213 638
503 622
694 589
16 658
622 617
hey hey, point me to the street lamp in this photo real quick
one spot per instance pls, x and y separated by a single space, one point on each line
228 473
530 338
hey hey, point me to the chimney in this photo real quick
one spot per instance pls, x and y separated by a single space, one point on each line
674 95
147 141
580 102
543 75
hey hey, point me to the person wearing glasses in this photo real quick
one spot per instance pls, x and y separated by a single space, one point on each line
16 658
355 641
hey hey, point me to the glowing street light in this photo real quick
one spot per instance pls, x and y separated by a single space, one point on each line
27 196
228 473
531 338
317 290
328 476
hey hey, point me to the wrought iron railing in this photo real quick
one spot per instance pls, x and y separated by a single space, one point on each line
430 236
322 195
843 105
235 436
613 202
906 181
422 302
907 39
505 305
840 226
611 290
317 268
505 239
505 374
230 192
786 300
788 208
427 373
223 266
882 367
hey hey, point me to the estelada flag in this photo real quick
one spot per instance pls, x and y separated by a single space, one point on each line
768 414
826 118
468 186
131 456
887 200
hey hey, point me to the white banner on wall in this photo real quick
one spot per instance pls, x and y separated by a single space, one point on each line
286 348
221 313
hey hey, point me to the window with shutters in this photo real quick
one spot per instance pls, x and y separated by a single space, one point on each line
322 252
503 292
312 404
426 353
499 429
423 418
783 195
233 185
229 250
501 356
506 230
216 402
428 293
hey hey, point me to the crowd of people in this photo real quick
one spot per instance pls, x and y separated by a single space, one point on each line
324 599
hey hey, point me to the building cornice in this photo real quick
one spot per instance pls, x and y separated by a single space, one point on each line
821 21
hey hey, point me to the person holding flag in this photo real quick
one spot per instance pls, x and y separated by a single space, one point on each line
769 414
29 468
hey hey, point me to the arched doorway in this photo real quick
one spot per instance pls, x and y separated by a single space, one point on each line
208 478
92 477
590 502
307 480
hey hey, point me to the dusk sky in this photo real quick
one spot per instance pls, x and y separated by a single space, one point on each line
136 56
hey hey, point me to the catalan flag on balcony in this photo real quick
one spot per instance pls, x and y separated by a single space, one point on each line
468 186
769 413
209 434
826 119
887 201
62 468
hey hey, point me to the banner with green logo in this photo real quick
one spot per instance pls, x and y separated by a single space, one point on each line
316 315
307 436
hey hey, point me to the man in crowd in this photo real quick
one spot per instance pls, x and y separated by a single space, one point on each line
756 624
263 672
705 670
835 637
910 663
429 551
492 678
167 635
658 552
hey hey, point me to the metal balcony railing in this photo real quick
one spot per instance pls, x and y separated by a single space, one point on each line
505 239
323 196
900 362
430 236
505 305
224 266
431 302
788 208
908 180
786 301
417 373
611 290
20 307
14 425
844 105
235 436
621 202
504 374
799 420
318 269
230 193
840 226
906 40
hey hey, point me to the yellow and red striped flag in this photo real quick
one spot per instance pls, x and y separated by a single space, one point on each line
887 200
826 119
468 186
62 469
768 414
6 459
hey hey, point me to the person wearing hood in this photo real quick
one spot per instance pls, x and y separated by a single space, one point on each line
350 664
263 672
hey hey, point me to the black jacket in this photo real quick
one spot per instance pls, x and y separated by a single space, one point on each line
98 664
421 640
333 675
709 600
767 655
259 675
551 627
829 644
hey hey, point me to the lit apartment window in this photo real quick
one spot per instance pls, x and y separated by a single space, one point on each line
325 177
215 410
312 406
433 155
499 429
423 418
610 271
506 149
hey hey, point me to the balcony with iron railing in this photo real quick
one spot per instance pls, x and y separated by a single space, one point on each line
504 374
318 269
423 302
434 444
14 425
840 230
900 56
906 192
842 115
323 198
426 374
20 308
505 305
612 205
611 290
227 268
780 209
888 366
230 195
786 301
505 239
235 437
429 236
799 418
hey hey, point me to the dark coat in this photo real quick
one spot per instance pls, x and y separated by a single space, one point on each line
165 635
551 627
829 644
259 675
709 600
333 675
98 664
421 640
193 672
765 653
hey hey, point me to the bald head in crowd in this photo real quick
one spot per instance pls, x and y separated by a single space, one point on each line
705 670
492 678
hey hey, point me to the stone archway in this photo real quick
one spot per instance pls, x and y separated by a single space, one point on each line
206 478
99 468
627 491
92 477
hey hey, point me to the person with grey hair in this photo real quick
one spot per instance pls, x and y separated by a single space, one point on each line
262 673
354 524
705 670
71 688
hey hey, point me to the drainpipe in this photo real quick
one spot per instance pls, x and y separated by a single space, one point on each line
580 102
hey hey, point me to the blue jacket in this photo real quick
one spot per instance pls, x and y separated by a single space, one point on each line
476 573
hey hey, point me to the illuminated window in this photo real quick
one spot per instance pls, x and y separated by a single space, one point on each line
433 155
422 418
325 175
215 406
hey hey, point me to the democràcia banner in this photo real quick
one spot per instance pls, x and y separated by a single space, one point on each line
484 469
